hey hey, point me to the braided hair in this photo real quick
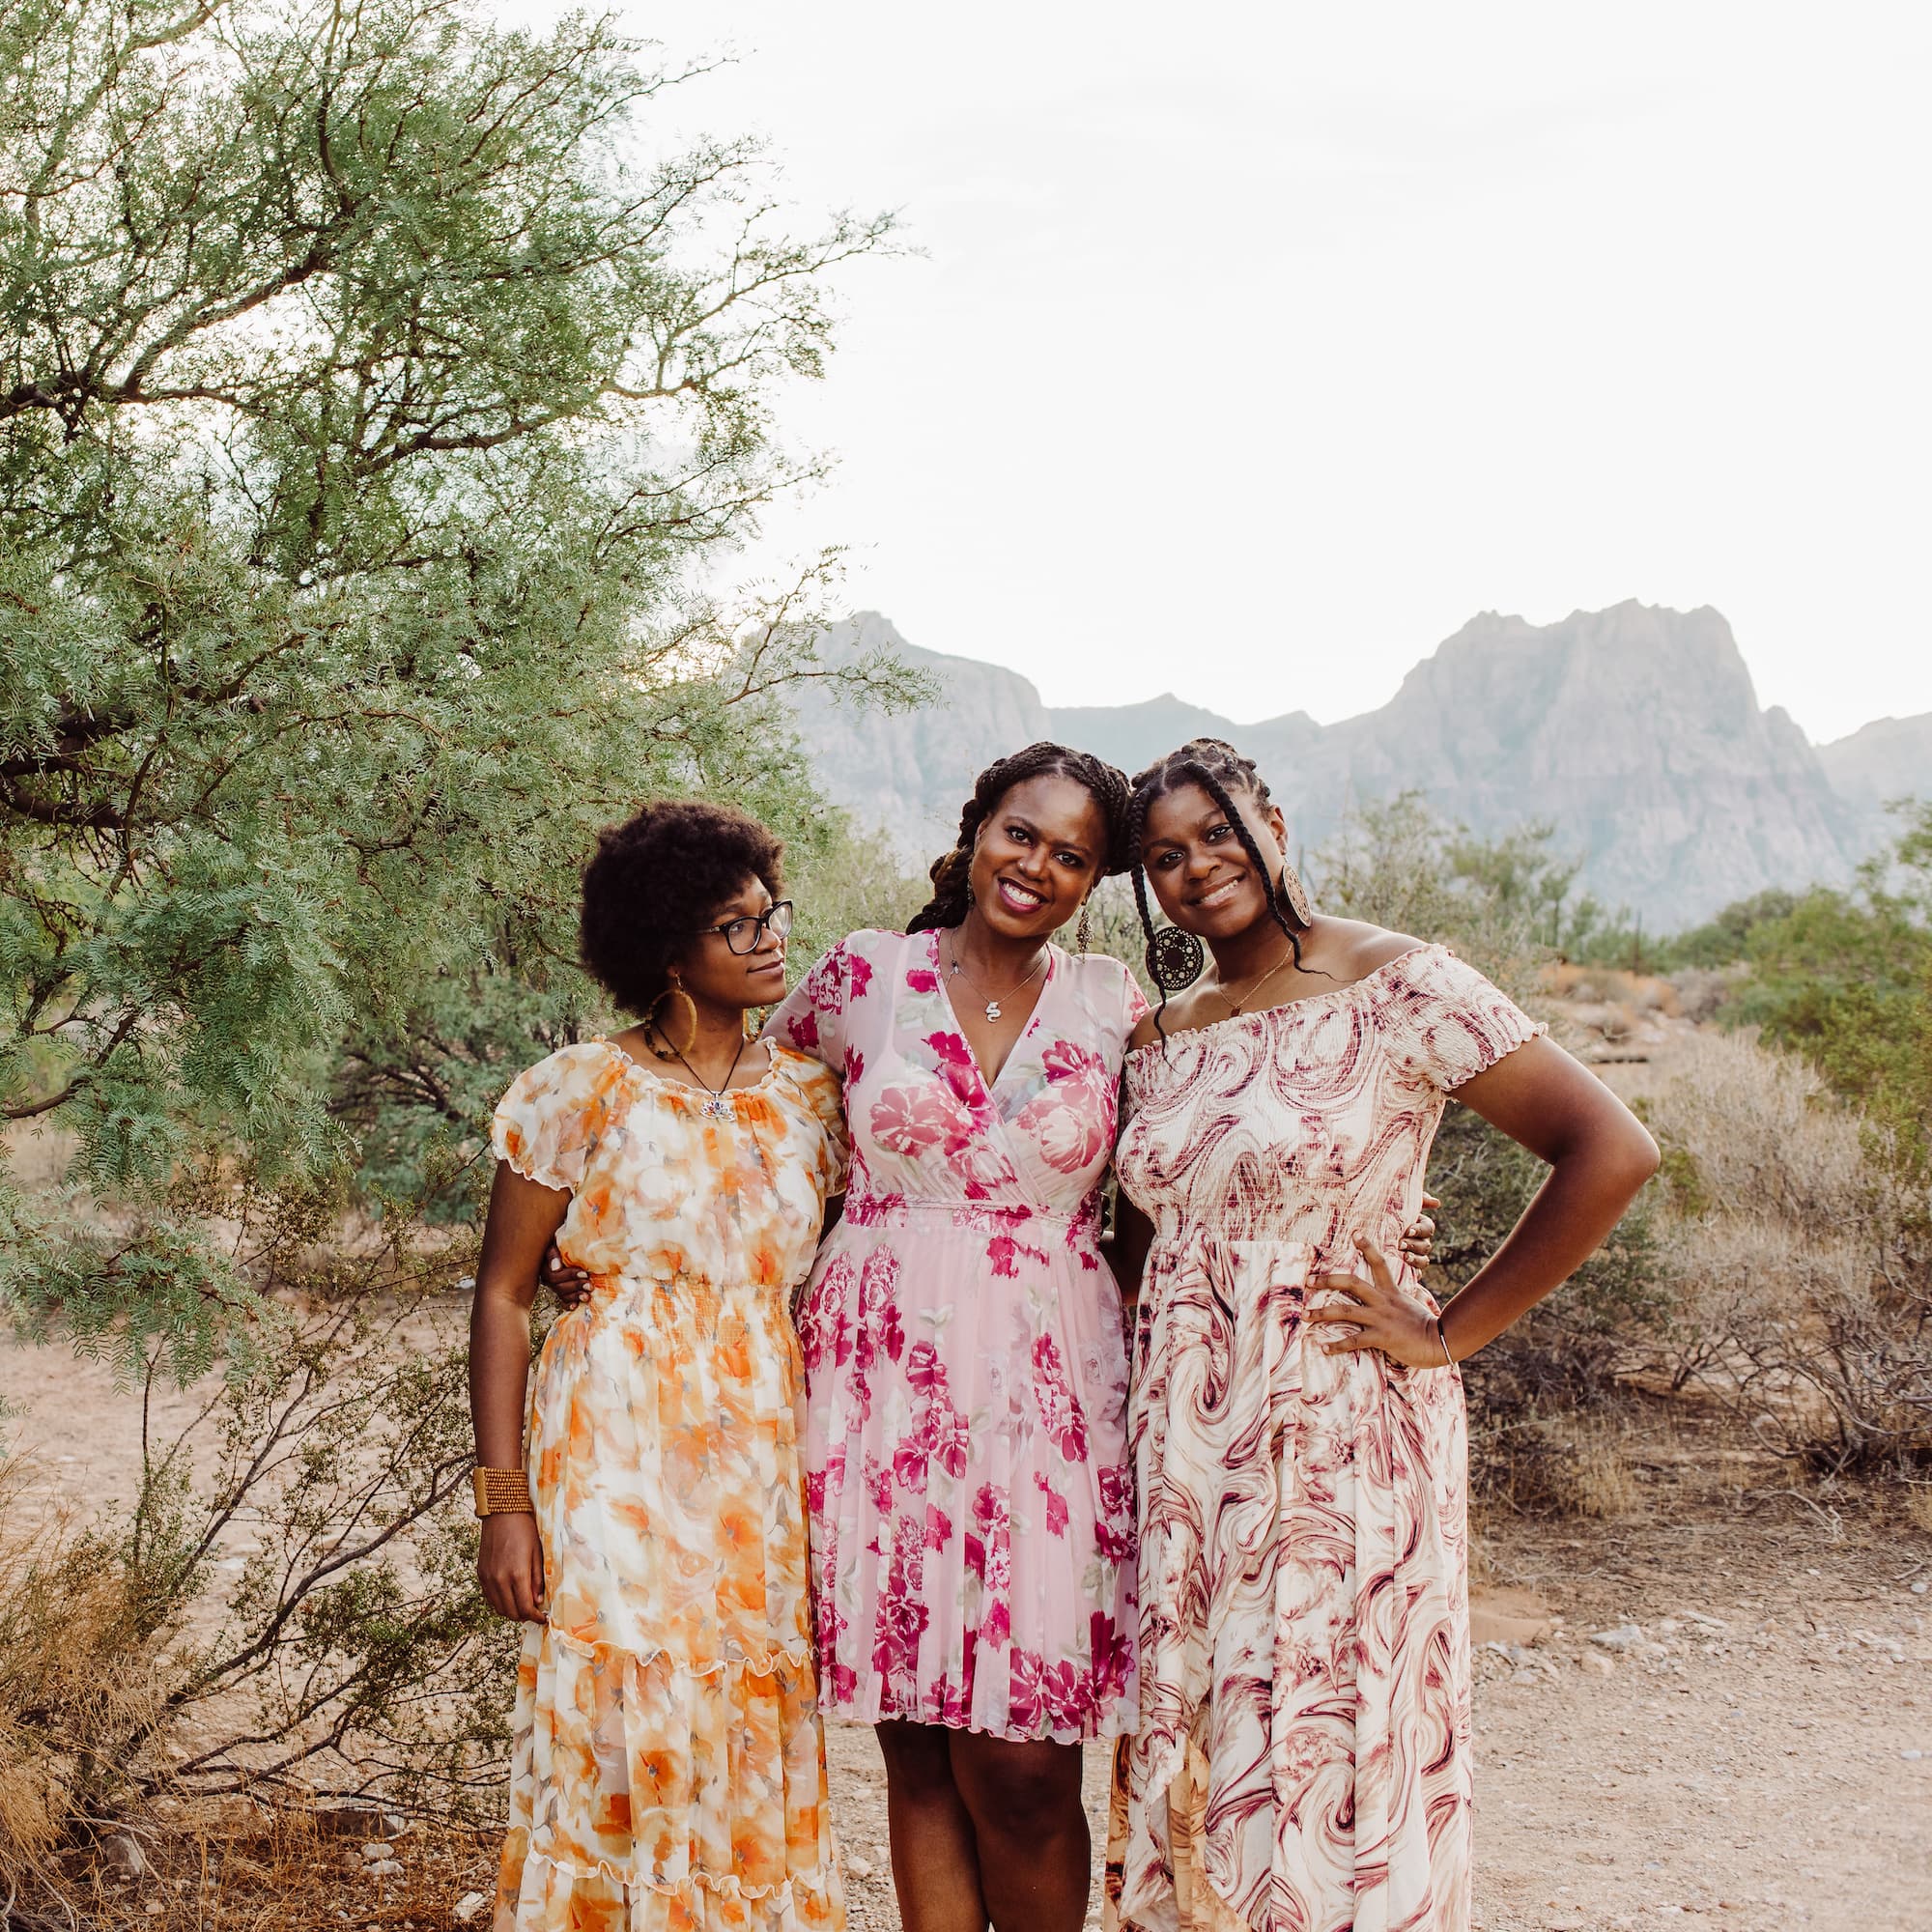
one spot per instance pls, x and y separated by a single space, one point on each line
1219 770
1105 783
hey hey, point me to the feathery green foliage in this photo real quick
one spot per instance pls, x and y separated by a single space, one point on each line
365 404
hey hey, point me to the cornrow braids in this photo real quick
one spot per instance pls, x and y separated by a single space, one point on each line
1105 783
1218 768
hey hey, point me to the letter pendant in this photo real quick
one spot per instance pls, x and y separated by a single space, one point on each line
992 1010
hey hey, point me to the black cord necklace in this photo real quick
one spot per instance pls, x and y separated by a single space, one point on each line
715 1105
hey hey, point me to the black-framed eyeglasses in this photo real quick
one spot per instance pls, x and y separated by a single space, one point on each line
742 935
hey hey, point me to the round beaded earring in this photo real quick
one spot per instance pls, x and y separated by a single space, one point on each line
1175 959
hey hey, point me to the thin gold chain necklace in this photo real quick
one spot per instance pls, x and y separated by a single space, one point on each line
1235 1005
992 1005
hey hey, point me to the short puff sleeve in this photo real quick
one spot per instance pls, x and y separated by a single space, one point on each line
1134 1002
813 1017
548 1123
818 1086
1111 999
1446 1022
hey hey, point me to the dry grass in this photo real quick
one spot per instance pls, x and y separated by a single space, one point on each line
1610 986
1767 1139
246 1868
1919 1506
1799 1301
1574 1464
78 1679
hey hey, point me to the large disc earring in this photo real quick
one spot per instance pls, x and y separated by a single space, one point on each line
1175 959
1296 896
670 1050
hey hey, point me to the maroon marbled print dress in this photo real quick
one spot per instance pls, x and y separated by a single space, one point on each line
1302 1762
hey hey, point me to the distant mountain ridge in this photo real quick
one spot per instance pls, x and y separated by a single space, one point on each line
1635 730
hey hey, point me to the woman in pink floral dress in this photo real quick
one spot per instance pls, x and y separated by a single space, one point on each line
1301 1759
965 1450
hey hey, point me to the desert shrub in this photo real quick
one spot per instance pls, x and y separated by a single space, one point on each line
78 1676
353 1653
1846 981
1704 991
851 879
1725 936
1569 1463
1798 1287
1843 978
1396 863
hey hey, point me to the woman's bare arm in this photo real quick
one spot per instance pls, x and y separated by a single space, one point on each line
523 1216
1128 1252
1598 1155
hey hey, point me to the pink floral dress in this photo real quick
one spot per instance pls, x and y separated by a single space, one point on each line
966 1466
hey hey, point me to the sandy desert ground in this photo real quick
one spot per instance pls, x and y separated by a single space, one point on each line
1714 1710
1748 1746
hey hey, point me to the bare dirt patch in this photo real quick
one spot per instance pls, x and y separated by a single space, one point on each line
1751 1747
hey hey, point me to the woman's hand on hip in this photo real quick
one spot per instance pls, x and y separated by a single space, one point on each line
509 1566
1379 1313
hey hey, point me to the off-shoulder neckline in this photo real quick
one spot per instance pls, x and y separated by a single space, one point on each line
1291 1005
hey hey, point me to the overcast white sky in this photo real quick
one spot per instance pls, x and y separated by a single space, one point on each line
1258 347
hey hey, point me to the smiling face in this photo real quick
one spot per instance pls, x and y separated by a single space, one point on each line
1038 853
712 972
1201 874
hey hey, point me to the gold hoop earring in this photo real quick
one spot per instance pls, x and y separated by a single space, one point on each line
670 1050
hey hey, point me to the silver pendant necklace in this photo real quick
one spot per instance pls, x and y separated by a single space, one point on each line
716 1106
992 1009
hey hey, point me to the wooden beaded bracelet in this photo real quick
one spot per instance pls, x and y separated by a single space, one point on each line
503 1492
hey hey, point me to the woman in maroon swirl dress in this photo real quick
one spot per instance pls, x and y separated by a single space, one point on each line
1302 1757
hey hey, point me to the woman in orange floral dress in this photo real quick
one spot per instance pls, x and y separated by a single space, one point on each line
669 1763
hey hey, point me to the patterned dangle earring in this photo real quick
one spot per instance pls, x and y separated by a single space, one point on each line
1175 959
1080 933
1294 895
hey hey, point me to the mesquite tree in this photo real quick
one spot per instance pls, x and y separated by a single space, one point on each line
365 401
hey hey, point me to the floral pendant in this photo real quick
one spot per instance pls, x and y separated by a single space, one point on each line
992 1010
717 1107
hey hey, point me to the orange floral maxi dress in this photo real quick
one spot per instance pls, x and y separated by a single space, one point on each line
667 1769
1302 1757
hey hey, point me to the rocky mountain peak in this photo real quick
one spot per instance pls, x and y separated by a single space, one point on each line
1635 730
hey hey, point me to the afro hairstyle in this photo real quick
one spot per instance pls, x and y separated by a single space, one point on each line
657 880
